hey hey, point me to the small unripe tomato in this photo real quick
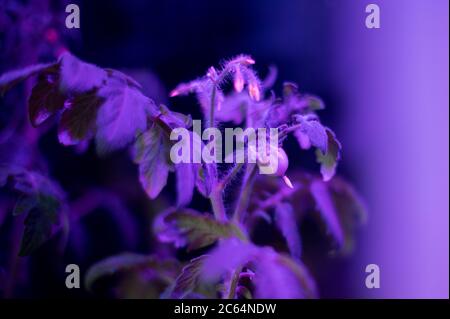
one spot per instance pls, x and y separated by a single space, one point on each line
282 164
274 166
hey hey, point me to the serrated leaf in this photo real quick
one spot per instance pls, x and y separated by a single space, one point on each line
12 78
78 120
314 132
200 230
305 103
174 119
151 151
45 99
121 116
286 221
125 262
77 76
189 278
328 160
325 205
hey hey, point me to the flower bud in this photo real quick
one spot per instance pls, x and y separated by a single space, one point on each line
253 90
238 80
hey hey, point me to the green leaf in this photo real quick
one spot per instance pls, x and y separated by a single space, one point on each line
24 204
327 210
286 222
314 103
151 151
41 199
244 292
189 279
200 230
351 211
78 121
126 263
329 160
45 100
12 78
39 225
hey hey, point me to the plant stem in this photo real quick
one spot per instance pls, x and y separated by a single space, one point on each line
244 196
212 108
233 283
229 177
217 204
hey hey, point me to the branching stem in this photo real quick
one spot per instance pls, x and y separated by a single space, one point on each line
230 176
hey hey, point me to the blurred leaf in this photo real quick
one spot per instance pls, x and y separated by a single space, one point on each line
39 225
126 263
189 279
185 173
227 257
7 170
325 205
276 276
313 103
41 200
314 131
45 99
339 207
12 78
329 159
200 230
351 209
286 221
244 292
301 273
24 204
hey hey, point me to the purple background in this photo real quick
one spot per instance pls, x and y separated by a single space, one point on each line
393 83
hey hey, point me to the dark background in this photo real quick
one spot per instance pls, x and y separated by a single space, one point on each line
175 41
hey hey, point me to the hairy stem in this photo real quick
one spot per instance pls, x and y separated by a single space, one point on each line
217 204
244 195
229 177
212 108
